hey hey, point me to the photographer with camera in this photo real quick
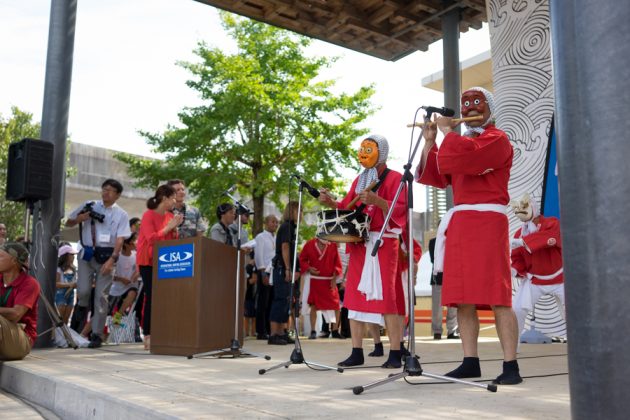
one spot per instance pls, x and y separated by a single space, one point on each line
103 226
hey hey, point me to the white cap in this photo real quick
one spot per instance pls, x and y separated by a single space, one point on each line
66 249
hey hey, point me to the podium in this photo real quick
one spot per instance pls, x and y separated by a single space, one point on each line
194 296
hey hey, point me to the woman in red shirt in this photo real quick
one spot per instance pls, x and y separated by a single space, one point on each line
158 224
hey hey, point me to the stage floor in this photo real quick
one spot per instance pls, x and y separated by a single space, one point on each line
126 382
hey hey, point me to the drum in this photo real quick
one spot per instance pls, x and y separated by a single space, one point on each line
342 226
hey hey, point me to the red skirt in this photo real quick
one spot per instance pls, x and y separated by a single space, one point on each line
477 260
388 261
322 295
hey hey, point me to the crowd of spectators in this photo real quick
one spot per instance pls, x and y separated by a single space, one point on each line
107 275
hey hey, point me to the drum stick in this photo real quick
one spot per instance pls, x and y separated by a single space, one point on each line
355 199
455 120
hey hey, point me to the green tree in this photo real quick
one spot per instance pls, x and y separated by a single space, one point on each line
264 116
18 126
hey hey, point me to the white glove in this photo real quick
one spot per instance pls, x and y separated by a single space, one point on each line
515 243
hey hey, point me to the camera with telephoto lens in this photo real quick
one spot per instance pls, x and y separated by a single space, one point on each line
100 217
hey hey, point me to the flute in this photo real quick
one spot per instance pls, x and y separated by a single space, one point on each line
456 120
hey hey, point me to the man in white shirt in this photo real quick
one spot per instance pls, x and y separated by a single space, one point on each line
265 251
103 228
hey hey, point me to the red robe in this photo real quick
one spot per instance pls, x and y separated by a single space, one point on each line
387 254
323 293
477 254
543 254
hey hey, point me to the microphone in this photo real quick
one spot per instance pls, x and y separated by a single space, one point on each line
229 190
446 112
312 191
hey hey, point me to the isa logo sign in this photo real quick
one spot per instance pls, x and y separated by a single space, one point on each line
176 261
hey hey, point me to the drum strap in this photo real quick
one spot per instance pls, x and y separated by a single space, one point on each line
374 189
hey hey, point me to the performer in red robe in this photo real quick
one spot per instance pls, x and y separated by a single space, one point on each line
320 265
472 247
537 258
371 281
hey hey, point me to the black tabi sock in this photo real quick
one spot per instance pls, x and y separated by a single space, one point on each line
378 350
468 369
511 366
510 375
393 361
355 359
403 350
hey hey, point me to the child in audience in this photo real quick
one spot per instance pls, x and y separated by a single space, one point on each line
66 281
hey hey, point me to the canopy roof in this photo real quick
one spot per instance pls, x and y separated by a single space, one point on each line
387 29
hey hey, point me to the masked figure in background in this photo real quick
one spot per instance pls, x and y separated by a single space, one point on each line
537 258
472 245
371 281
320 266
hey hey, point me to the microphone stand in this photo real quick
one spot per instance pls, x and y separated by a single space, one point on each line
235 350
412 363
297 357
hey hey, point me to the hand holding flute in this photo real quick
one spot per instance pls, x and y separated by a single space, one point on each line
454 120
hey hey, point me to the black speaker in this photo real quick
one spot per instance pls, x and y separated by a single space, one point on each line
30 170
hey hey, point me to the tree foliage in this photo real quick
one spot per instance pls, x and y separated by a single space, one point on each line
17 126
264 116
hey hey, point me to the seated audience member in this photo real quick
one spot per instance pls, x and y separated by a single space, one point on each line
19 293
66 281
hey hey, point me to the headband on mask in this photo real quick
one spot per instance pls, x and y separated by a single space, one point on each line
370 175
490 101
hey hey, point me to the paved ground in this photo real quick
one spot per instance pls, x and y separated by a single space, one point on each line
127 382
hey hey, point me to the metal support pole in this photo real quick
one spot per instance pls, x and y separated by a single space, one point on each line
48 213
591 57
450 56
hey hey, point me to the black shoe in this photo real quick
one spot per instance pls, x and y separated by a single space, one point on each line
277 340
262 337
378 350
468 369
95 342
437 336
335 334
313 335
452 336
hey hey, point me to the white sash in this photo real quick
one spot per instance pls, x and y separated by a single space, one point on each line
440 240
547 277
371 285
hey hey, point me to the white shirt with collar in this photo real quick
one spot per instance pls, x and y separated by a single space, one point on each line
115 224
265 249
